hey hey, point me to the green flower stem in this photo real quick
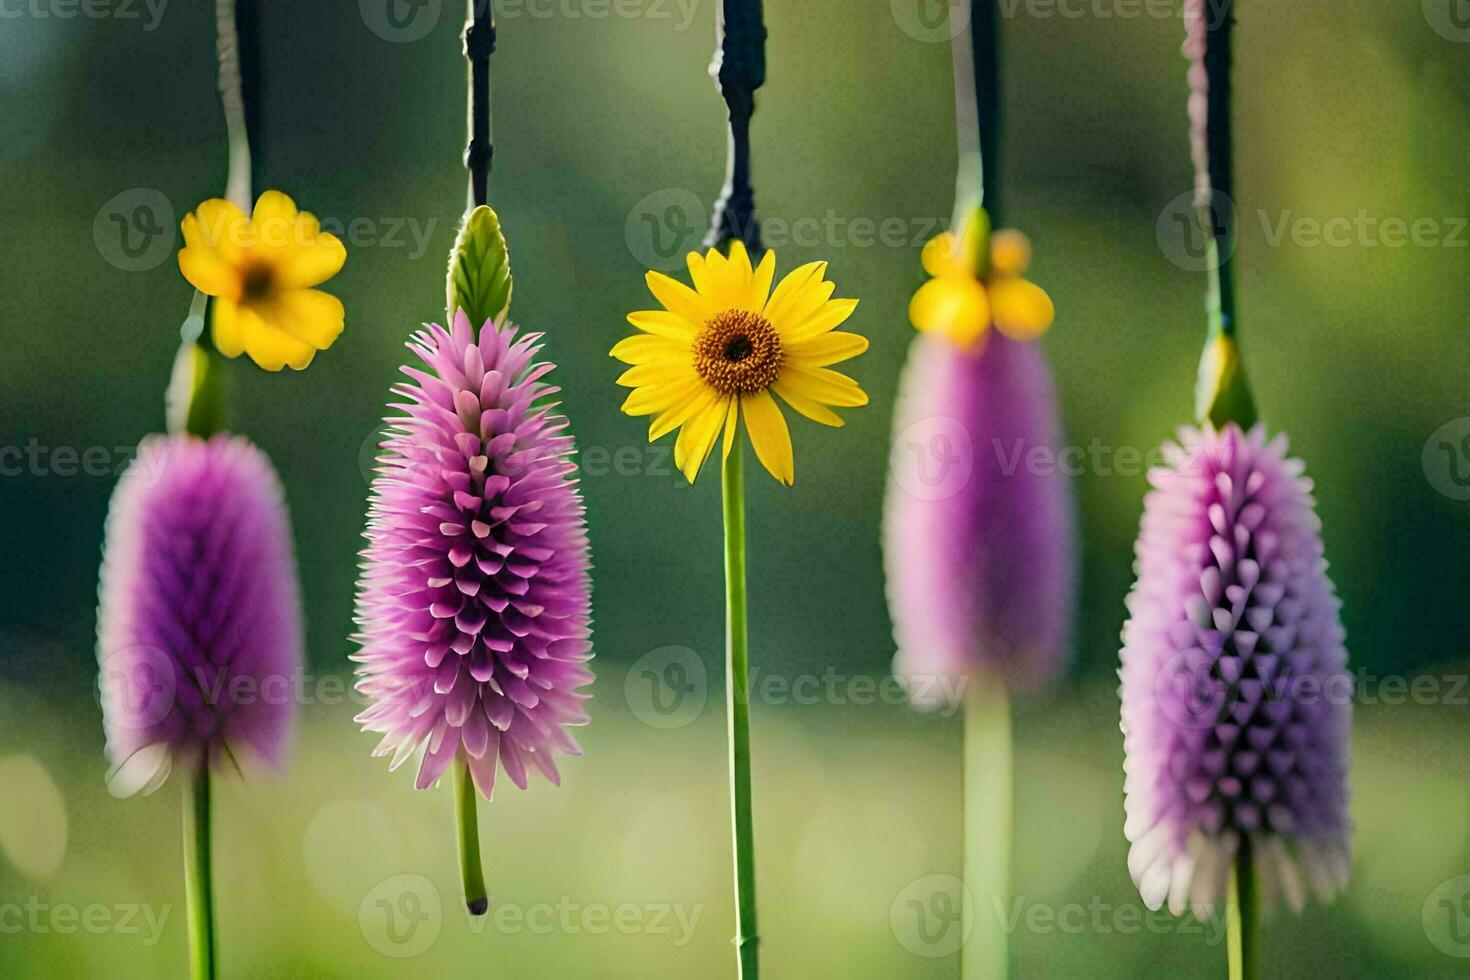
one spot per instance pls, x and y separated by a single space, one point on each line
199 875
471 872
1240 917
1222 393
232 98
989 815
737 673
194 402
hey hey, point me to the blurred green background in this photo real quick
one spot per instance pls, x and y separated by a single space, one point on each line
609 143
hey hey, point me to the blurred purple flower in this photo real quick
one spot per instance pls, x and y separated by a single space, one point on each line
977 536
474 602
1236 701
199 619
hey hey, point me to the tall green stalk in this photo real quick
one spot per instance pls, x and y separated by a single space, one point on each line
737 685
199 875
989 817
1240 917
466 819
989 811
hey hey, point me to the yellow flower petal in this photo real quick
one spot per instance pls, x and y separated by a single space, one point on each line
725 284
827 316
732 422
697 437
806 406
226 329
693 397
769 435
677 297
827 348
1023 311
310 260
1010 253
660 372
822 385
651 398
306 314
941 256
662 323
273 207
739 259
955 308
642 348
792 283
791 319
300 253
207 271
270 347
699 271
760 285
218 225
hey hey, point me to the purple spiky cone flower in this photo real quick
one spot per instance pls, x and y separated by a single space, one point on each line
1236 700
199 624
977 523
474 603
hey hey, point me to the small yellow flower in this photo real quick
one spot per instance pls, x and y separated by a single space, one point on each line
260 270
962 302
719 350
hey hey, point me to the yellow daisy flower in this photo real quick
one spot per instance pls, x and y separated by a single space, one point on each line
977 284
260 271
718 351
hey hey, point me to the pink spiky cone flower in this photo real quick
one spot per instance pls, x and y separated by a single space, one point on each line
199 622
474 601
1236 700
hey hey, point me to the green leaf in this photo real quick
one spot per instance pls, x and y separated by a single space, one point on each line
479 269
194 401
1222 395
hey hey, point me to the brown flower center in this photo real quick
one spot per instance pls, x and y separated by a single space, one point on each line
738 352
257 282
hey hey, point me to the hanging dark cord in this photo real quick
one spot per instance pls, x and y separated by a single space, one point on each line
985 56
739 68
1216 190
248 26
1222 394
479 44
